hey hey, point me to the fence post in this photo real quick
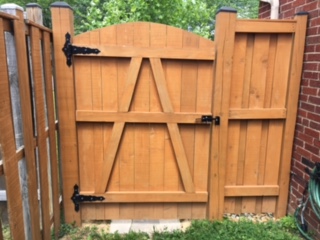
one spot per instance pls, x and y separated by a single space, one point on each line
62 23
28 175
224 38
34 13
292 108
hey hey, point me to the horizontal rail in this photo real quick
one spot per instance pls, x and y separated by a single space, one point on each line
8 16
142 197
263 26
251 191
42 28
138 117
259 113
166 53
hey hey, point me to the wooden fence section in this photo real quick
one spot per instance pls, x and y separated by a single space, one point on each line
125 115
258 72
31 81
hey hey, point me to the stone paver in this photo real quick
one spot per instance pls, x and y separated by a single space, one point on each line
120 226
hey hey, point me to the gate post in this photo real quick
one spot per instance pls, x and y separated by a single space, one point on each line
62 23
224 38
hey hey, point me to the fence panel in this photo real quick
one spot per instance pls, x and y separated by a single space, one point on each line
31 171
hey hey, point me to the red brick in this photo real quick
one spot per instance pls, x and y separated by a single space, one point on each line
310 48
298 142
298 3
315 158
314 100
315 83
310 66
308 107
309 6
302 113
303 98
313 56
315 125
288 14
314 22
317 143
312 31
285 7
311 75
303 152
311 148
313 40
312 132
312 116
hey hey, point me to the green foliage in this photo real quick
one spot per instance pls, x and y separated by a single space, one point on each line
195 15
284 229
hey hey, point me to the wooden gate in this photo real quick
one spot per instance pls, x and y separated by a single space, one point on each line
138 134
129 117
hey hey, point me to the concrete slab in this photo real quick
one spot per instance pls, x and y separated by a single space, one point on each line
168 225
120 226
147 226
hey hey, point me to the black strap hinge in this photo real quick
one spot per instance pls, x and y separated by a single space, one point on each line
77 198
69 50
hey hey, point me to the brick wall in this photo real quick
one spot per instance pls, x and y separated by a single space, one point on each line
306 149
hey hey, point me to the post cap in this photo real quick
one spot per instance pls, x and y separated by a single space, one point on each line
302 13
227 9
11 6
32 5
60 5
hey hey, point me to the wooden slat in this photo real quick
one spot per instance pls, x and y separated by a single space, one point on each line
158 38
152 196
52 130
62 22
7 25
292 100
119 126
154 52
265 26
124 36
141 117
7 148
263 113
251 191
172 127
26 110
41 130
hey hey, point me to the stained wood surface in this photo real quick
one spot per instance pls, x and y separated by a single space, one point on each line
129 104
137 107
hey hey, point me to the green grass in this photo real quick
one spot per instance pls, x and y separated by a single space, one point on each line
284 229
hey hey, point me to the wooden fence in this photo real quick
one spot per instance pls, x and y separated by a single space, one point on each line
254 80
254 86
28 124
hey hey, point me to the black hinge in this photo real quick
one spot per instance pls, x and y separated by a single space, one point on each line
208 119
69 50
77 198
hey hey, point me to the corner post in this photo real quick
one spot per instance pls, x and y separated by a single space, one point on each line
62 23
34 13
295 74
224 38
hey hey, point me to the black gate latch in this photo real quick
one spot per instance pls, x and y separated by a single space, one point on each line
77 198
69 49
209 119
